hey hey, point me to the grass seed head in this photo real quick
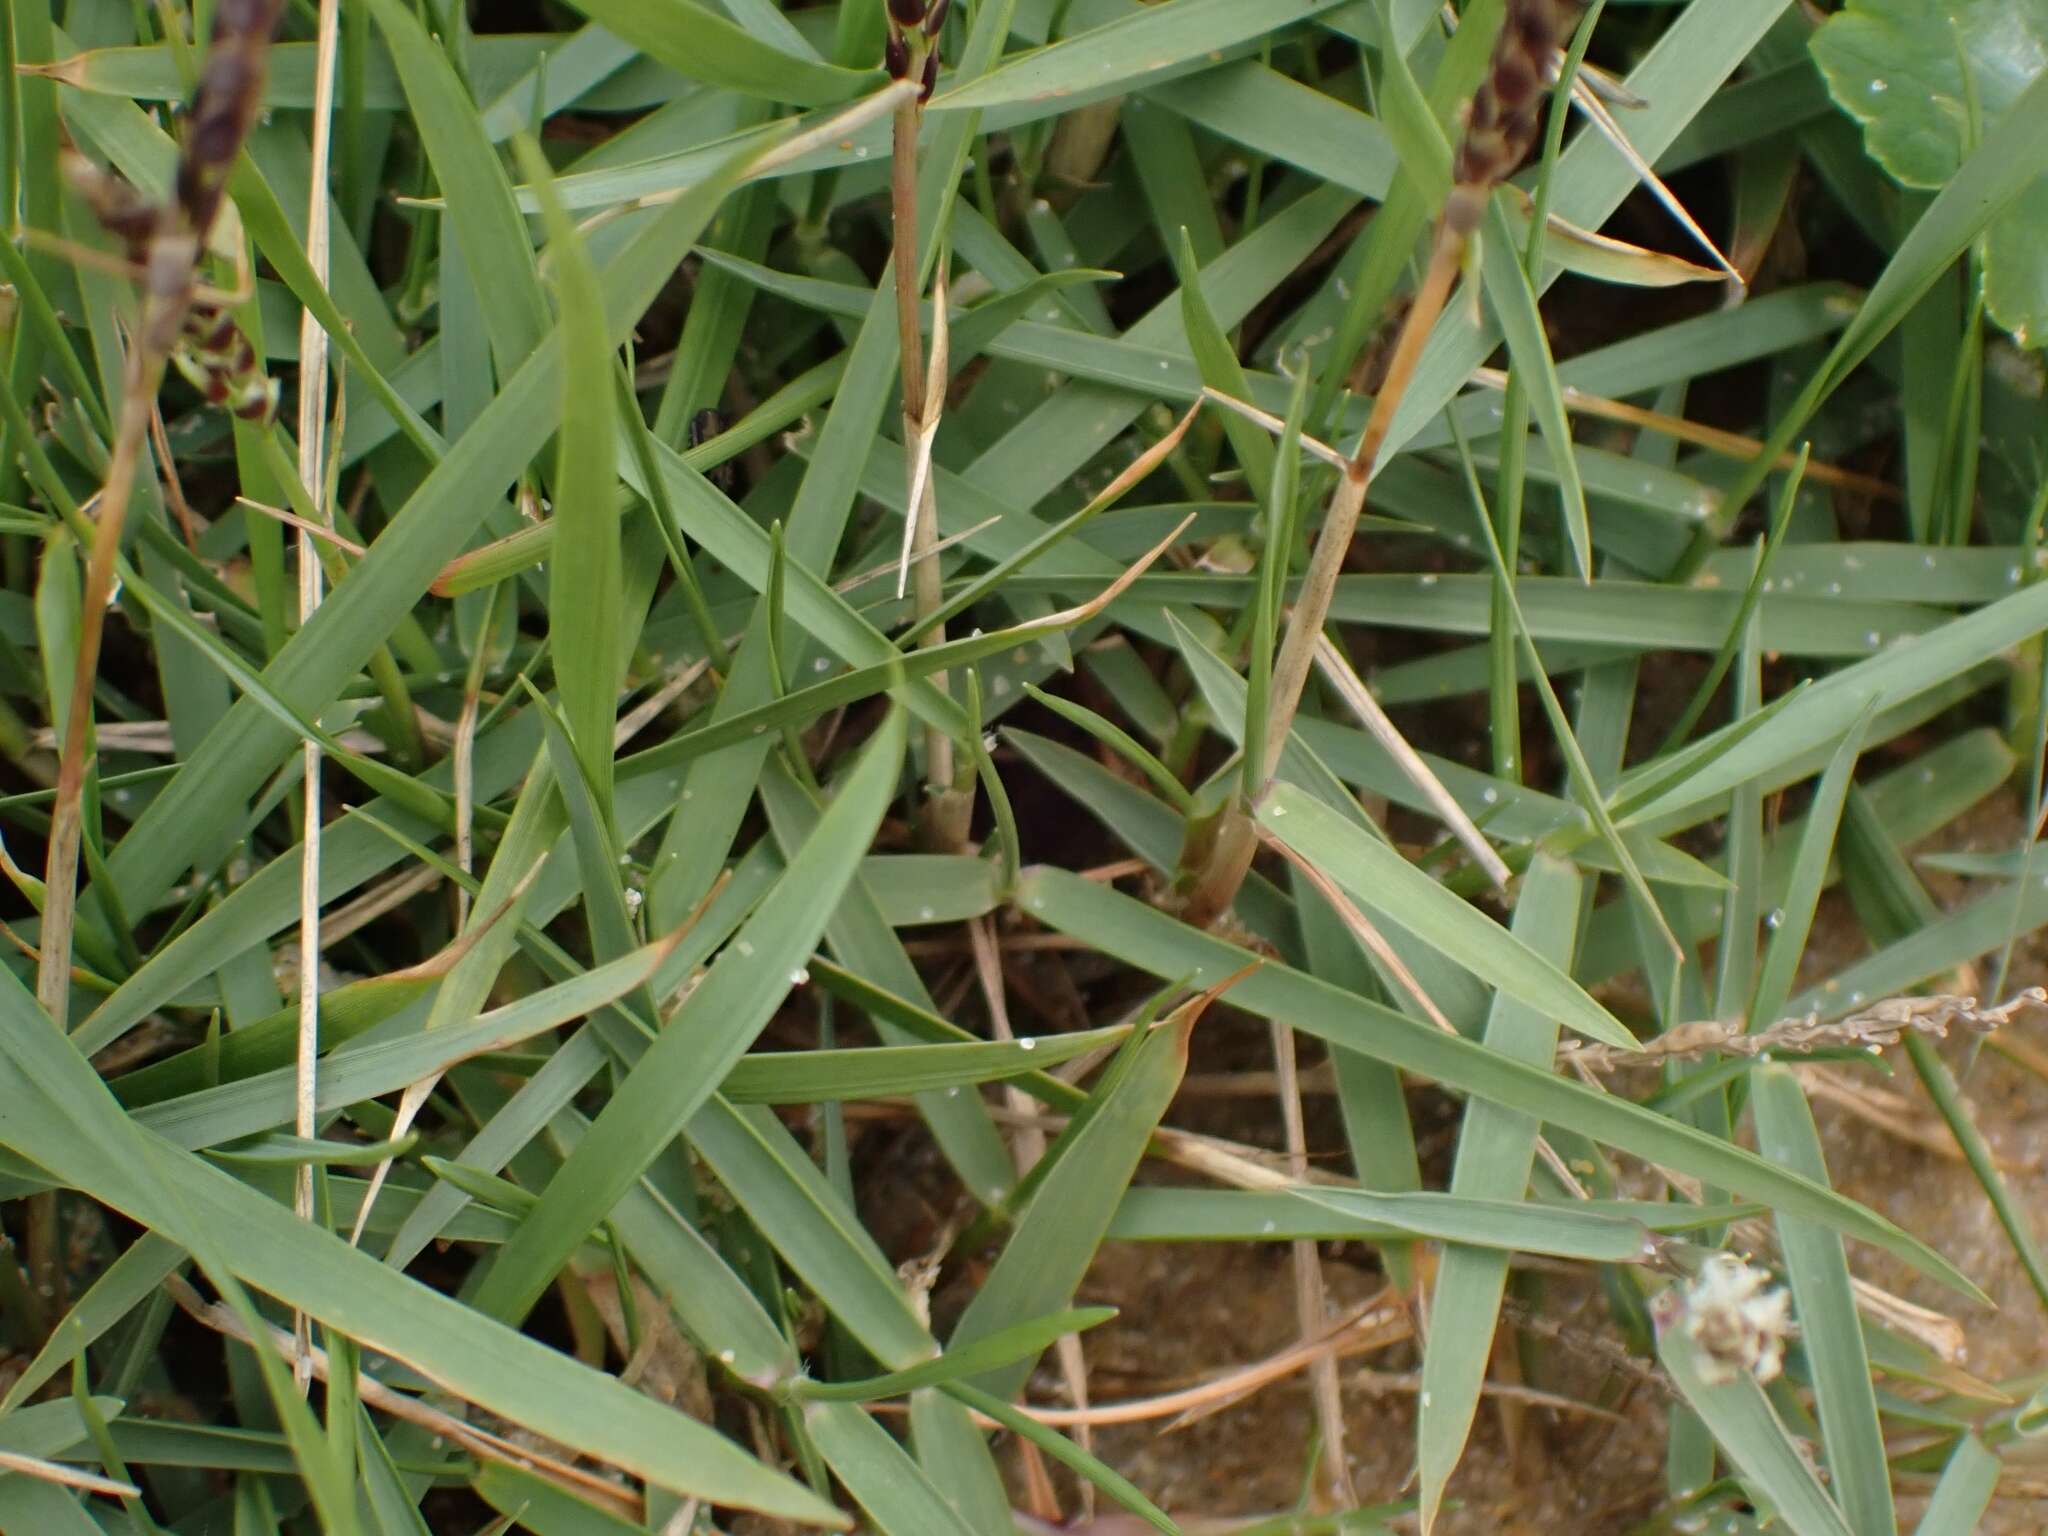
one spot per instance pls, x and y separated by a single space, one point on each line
1507 109
225 105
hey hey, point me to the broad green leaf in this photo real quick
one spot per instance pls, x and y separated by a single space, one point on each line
1927 79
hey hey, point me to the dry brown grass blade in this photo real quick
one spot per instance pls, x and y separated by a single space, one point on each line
1732 445
921 435
1363 929
65 1477
311 529
1370 1325
1315 447
1310 1299
312 427
1588 101
1337 670
224 107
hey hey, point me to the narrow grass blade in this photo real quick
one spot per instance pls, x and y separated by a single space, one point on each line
1056 1237
1514 305
714 1027
1065 1452
1386 883
1752 1436
894 1490
1964 1492
62 1118
1828 1322
585 579
1496 1149
1125 50
874 1072
126 1283
1021 1341
1113 923
697 42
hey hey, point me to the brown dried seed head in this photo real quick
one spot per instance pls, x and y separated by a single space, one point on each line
122 210
225 105
1505 112
246 18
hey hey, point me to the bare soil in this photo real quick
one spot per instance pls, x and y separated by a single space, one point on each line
1190 1312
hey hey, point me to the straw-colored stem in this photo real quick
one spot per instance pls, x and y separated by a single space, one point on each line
1219 857
312 424
946 809
1319 586
145 372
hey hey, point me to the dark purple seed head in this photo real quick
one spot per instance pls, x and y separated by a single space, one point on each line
896 55
937 17
931 76
907 13
246 18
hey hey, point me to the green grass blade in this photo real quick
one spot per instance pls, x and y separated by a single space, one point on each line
1155 943
1062 1226
697 42
1964 1492
62 1118
1754 1439
1496 1149
1513 301
894 1490
714 1027
585 578
494 238
1830 1328
1021 1341
1385 883
1128 48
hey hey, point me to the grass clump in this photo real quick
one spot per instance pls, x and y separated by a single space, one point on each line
887 650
